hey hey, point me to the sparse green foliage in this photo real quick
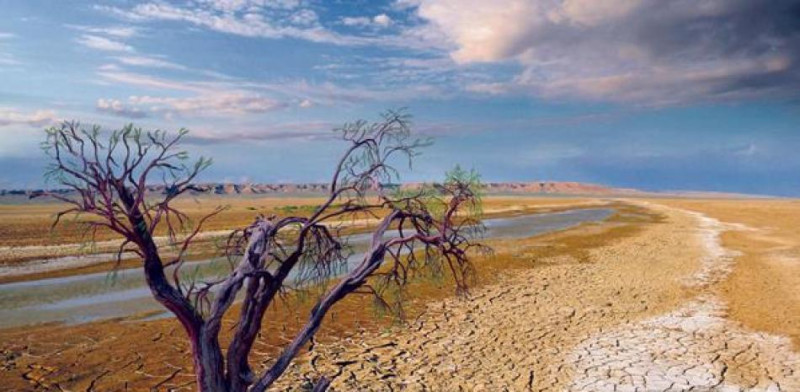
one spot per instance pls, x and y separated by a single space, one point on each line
458 177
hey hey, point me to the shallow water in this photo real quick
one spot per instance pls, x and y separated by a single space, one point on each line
83 298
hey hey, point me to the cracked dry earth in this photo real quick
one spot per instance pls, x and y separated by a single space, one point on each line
638 314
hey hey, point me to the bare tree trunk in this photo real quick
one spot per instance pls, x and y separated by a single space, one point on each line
111 183
345 287
206 353
240 375
209 367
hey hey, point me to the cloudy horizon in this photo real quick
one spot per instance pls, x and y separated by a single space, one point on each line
648 94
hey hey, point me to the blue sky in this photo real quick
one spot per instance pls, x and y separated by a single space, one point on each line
651 94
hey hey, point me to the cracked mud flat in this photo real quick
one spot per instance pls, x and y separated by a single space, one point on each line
643 299
640 315
139 354
693 348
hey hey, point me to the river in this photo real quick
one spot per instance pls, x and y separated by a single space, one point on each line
105 295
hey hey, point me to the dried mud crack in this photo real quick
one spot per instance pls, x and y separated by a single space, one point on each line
624 306
693 348
640 315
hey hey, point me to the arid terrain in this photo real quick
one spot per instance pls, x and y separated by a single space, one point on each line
400 195
685 301
665 295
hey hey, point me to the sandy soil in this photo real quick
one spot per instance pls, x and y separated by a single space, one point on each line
763 290
675 295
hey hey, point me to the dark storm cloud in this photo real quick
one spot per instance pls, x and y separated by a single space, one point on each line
651 52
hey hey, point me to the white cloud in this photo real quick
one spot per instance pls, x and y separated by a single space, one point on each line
244 5
136 79
109 68
198 98
113 31
218 103
747 151
230 104
152 62
267 19
274 20
481 30
36 119
117 108
8 60
267 96
403 5
306 103
356 21
103 43
304 18
309 130
382 20
332 94
594 12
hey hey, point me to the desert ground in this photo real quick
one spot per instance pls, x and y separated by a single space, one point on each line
665 295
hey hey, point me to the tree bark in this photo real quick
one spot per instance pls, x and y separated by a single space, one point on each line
346 286
240 375
209 367
207 355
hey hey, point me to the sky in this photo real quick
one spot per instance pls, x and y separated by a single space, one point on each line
648 94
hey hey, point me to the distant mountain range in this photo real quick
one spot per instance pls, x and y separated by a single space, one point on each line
544 187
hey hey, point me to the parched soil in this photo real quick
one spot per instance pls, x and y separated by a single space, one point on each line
656 299
763 290
137 355
640 314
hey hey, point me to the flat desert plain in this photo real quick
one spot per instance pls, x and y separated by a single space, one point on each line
664 295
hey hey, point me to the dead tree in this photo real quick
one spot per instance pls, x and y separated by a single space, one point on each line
429 229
